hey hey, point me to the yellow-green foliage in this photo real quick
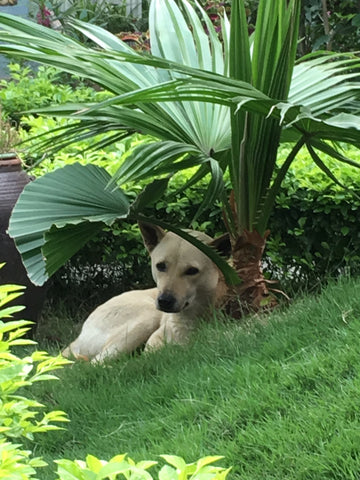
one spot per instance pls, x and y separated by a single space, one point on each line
20 416
124 467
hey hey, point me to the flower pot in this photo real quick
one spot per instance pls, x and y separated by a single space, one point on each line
12 181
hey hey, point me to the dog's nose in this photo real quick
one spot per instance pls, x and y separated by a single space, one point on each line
166 302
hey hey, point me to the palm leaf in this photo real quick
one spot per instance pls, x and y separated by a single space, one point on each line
156 159
59 202
254 157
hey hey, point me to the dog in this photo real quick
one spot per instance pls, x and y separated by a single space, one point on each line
187 284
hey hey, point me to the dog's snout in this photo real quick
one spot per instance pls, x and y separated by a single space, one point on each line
167 302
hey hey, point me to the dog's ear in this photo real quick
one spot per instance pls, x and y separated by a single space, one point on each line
222 244
152 235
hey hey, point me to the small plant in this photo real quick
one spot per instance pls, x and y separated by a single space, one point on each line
113 16
26 89
19 416
8 136
122 466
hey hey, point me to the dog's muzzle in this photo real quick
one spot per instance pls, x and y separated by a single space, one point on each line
166 302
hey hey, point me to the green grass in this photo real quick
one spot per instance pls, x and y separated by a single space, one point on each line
279 397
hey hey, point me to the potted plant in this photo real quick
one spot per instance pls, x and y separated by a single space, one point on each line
12 182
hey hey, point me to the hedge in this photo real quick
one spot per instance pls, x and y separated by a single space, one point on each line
314 235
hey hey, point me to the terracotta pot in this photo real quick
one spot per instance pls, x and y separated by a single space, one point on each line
12 181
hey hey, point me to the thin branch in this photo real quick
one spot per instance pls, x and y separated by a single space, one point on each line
326 23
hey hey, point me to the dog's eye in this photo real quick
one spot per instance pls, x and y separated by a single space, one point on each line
161 266
192 271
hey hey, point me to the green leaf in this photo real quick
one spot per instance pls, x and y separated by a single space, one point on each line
151 193
177 462
94 463
156 159
202 462
62 243
168 473
68 470
59 202
317 160
215 189
146 464
230 275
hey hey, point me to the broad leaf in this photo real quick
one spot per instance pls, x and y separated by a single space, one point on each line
59 202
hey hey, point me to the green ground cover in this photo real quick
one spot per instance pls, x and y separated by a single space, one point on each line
278 396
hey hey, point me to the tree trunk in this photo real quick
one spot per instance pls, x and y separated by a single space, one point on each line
253 293
326 24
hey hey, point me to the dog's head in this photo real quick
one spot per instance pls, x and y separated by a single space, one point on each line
185 277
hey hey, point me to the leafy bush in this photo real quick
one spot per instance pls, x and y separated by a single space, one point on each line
314 235
121 465
314 227
29 88
342 32
19 416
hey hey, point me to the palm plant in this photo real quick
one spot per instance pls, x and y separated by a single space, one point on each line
208 104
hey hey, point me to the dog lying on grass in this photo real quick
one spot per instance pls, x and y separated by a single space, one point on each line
187 284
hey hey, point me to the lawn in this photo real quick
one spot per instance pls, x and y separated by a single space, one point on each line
278 396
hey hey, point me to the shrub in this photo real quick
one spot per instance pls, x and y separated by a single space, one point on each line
20 416
314 236
314 226
121 465
30 88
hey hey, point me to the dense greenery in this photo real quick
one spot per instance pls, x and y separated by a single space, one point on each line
271 397
21 418
116 260
183 103
306 242
28 88
314 236
330 24
314 226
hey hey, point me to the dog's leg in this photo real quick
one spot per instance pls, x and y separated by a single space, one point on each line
170 331
128 339
156 340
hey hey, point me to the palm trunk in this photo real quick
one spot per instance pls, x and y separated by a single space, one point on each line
253 293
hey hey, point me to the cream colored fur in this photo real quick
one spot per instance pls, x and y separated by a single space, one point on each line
187 283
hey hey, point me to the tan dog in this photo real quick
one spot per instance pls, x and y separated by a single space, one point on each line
187 283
